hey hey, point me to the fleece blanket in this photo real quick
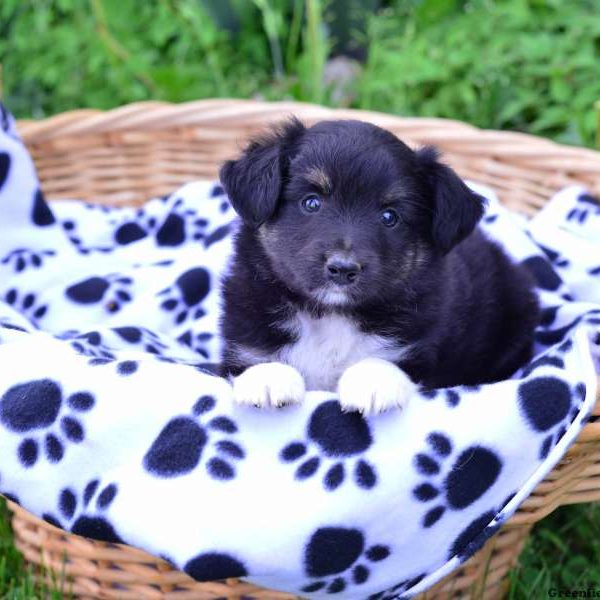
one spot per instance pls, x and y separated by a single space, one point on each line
114 426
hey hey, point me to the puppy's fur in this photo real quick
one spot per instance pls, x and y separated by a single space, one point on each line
431 301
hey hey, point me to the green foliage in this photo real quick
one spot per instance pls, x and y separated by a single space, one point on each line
59 55
562 552
16 582
529 65
514 64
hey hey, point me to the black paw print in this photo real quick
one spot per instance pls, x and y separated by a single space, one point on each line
22 259
70 228
586 205
5 161
472 474
332 557
548 315
545 276
127 367
90 522
210 566
38 404
157 263
196 341
124 367
210 368
180 446
593 317
6 124
27 304
103 208
555 257
549 337
183 298
8 325
596 348
549 359
478 532
149 340
218 193
134 230
451 396
179 224
550 406
88 344
218 234
96 362
41 215
337 436
565 346
398 591
114 290
12 498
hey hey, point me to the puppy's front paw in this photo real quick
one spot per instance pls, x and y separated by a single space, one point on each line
374 385
269 384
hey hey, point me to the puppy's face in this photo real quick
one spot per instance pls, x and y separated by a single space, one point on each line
346 212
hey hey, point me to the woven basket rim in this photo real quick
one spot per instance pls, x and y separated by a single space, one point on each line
165 115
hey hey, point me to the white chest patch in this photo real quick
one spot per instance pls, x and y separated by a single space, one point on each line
326 347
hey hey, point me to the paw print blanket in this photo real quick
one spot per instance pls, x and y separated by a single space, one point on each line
113 424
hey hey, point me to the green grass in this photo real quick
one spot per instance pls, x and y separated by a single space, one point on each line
16 581
562 552
530 65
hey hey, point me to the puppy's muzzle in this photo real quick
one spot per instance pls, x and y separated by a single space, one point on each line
342 272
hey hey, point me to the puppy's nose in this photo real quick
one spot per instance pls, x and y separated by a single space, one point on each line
342 272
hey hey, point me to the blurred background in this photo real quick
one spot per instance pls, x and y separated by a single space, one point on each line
531 65
527 65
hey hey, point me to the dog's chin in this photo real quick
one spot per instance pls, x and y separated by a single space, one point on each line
332 296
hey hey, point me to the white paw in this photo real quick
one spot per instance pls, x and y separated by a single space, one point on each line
269 384
374 385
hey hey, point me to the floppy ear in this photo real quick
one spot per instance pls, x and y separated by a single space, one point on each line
253 182
456 209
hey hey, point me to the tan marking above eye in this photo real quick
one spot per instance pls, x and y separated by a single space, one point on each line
319 178
394 194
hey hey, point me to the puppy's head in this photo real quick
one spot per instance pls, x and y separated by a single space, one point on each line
345 211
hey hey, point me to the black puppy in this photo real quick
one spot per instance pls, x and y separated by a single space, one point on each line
358 268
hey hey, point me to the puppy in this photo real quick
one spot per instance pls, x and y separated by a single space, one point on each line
358 268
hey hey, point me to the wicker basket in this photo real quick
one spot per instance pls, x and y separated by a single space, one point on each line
127 155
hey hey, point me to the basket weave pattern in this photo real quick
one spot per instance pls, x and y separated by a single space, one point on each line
130 154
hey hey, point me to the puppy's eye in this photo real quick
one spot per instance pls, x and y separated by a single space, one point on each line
311 203
389 217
